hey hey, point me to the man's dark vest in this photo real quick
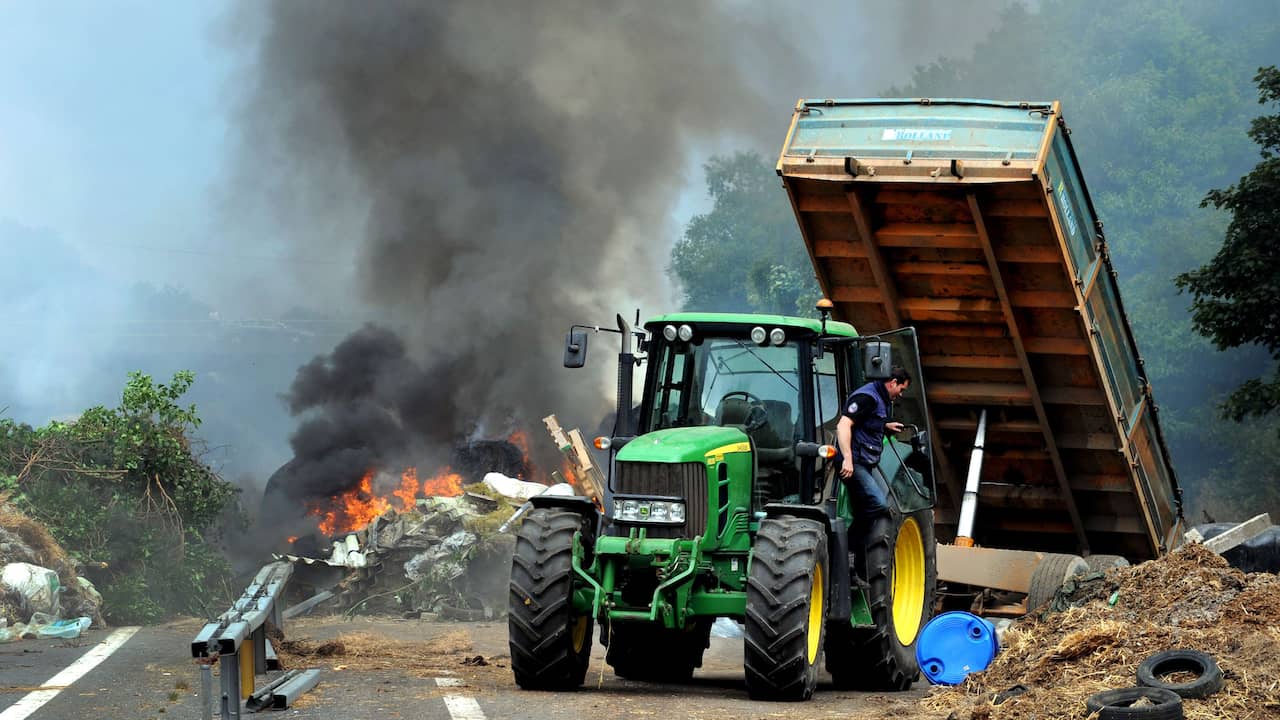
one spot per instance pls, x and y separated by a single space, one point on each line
868 435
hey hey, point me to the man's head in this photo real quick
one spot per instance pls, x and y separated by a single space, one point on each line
897 382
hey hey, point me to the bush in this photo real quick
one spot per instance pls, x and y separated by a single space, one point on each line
123 490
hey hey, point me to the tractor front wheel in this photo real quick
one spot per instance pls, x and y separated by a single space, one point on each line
550 641
786 609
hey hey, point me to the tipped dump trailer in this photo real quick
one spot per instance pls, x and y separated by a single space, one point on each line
970 220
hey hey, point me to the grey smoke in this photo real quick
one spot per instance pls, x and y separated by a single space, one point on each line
501 170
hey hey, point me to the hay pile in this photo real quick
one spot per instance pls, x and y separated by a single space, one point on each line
1189 599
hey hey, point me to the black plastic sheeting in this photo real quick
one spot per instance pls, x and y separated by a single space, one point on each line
1260 554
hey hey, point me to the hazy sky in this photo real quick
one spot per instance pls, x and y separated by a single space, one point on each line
122 137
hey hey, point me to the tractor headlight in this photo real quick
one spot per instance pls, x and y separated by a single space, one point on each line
777 337
669 332
659 512
685 333
757 335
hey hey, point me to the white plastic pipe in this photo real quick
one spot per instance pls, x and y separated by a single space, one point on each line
969 505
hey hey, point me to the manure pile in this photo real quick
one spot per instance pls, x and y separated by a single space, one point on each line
1189 599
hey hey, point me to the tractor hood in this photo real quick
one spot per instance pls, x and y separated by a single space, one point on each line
686 444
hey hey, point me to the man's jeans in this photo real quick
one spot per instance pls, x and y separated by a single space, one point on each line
868 497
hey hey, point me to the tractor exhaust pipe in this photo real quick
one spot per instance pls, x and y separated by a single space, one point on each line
969 506
626 369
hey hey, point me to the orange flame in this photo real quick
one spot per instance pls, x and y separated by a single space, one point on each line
446 483
520 439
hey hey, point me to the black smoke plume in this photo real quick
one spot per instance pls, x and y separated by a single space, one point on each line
512 167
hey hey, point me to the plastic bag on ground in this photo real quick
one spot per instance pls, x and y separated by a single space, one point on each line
38 585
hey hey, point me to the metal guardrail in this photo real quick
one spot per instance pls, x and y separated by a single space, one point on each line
237 641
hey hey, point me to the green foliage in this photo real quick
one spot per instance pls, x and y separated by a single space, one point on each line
123 491
745 255
1237 293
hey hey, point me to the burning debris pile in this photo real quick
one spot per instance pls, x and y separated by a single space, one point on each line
437 546
1102 626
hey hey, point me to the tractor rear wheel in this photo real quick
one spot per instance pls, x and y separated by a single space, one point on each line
550 641
648 653
902 577
786 609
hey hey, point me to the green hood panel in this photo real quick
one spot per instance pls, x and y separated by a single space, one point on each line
679 445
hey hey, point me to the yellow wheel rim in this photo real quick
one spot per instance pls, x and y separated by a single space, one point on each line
580 633
817 614
908 582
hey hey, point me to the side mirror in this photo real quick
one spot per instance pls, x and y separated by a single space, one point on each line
575 349
877 360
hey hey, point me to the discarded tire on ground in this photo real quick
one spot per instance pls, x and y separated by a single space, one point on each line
1121 704
1208 678
1050 574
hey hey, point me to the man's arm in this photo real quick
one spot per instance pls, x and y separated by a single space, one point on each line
844 438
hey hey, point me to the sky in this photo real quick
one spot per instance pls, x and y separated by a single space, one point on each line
122 151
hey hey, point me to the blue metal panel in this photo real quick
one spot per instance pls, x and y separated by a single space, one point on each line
953 129
1075 212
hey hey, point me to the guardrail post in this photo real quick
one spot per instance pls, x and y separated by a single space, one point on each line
230 676
206 691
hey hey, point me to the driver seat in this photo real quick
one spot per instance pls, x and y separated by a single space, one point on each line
732 411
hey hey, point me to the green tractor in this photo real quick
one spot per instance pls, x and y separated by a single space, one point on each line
723 502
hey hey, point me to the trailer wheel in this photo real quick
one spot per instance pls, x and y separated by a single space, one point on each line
901 554
1122 704
786 609
643 652
1208 678
1103 563
1050 574
550 641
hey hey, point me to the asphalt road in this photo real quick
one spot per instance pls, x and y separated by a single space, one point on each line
390 668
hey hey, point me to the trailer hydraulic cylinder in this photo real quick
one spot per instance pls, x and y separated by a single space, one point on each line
969 505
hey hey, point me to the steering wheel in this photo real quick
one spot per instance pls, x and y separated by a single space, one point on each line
757 416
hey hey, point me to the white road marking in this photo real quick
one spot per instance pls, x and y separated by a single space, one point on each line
36 699
460 707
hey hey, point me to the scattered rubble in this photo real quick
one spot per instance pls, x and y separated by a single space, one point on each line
1100 627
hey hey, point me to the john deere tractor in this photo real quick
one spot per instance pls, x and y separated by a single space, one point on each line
724 502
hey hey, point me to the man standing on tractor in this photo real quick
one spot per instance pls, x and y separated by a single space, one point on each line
860 435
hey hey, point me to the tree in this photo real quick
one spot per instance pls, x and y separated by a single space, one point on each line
745 255
1237 293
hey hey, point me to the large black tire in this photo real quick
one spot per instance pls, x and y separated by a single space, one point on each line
1208 678
1050 574
648 653
1103 563
550 641
786 609
901 560
1116 704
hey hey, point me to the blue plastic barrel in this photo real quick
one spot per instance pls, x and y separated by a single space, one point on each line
954 644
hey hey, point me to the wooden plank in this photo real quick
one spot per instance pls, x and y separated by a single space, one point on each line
1007 300
1029 254
1241 533
1007 426
1087 441
1043 299
857 294
838 249
1073 396
928 268
1015 208
926 235
811 202
1102 483
960 393
879 270
994 362
944 305
1056 346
